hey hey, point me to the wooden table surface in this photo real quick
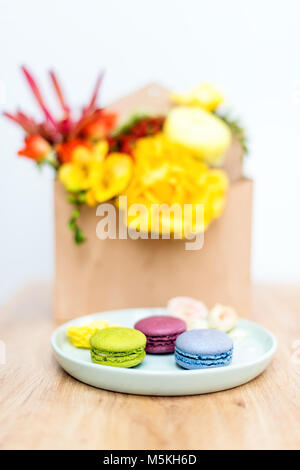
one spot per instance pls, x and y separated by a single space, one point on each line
41 407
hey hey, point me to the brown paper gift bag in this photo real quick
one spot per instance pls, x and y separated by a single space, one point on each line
110 274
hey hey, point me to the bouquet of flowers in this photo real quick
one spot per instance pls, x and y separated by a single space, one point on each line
166 160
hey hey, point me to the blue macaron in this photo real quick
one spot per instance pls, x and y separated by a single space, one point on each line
203 349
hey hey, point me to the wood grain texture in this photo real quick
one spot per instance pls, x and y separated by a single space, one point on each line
41 407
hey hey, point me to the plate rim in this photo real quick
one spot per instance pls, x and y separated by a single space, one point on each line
120 370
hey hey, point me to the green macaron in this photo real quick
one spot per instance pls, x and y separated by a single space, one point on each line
118 347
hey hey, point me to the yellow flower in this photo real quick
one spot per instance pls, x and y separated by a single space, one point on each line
109 178
199 131
80 335
204 95
76 175
167 174
102 176
100 150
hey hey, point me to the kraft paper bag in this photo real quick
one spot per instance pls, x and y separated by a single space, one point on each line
113 274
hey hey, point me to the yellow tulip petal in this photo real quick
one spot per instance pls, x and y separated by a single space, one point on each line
112 177
204 95
197 130
82 155
100 150
167 173
72 177
90 198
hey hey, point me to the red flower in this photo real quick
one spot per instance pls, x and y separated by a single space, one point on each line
35 147
65 128
65 149
139 127
101 123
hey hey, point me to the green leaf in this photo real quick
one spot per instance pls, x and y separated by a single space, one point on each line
236 128
75 214
71 224
132 121
81 197
77 198
72 199
78 235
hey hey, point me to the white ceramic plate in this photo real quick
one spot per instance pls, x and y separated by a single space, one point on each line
254 348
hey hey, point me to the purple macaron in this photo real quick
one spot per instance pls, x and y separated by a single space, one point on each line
161 332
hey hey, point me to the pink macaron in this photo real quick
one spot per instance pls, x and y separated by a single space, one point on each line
161 332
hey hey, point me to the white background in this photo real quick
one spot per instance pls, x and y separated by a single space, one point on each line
248 48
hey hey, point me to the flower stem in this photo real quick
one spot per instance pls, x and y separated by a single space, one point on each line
73 226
